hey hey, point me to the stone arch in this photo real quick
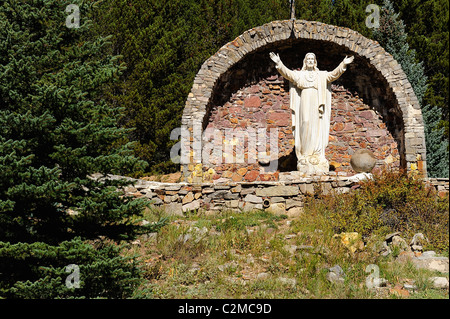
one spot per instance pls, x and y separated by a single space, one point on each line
376 76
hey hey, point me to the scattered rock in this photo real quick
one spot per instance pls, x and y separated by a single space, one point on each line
388 237
335 275
290 236
410 287
288 281
439 282
72 212
194 233
428 254
417 240
405 256
399 291
136 242
305 247
290 248
351 240
432 263
337 270
335 279
150 237
194 268
400 243
263 276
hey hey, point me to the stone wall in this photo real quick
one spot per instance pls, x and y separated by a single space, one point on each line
376 77
285 196
354 125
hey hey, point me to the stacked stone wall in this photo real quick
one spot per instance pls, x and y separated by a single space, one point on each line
283 197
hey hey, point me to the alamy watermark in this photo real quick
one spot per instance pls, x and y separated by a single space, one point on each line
226 146
73 19
373 20
373 280
73 280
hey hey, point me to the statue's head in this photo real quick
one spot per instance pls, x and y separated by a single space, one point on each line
310 62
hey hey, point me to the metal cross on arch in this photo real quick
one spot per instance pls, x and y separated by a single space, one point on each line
292 6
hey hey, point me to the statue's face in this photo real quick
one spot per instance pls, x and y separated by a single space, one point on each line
310 61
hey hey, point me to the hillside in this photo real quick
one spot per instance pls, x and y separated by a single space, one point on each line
205 254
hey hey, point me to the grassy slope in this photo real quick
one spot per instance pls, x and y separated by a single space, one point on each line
246 255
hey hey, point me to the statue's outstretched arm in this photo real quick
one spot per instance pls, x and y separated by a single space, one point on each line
284 71
342 67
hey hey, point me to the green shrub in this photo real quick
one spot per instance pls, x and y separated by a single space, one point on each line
391 201
39 271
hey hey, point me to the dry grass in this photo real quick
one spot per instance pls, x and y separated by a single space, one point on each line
247 255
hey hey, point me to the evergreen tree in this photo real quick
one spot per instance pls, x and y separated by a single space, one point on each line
164 44
55 133
437 148
392 36
426 23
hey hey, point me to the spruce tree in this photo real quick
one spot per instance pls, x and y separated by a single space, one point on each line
164 44
56 131
392 36
426 23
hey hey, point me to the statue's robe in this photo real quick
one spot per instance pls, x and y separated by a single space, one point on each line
311 127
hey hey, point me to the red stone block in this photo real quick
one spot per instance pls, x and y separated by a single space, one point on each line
236 177
338 126
349 127
280 118
251 175
252 101
235 109
368 115
266 177
253 89
376 133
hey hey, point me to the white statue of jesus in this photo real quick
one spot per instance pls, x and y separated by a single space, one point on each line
310 99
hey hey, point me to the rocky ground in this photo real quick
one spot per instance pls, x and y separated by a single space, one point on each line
265 255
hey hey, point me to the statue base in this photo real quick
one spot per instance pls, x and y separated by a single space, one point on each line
313 165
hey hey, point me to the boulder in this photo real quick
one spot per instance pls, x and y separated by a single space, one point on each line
439 282
363 161
432 263
399 242
351 240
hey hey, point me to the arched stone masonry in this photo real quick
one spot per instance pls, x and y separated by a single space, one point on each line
375 79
